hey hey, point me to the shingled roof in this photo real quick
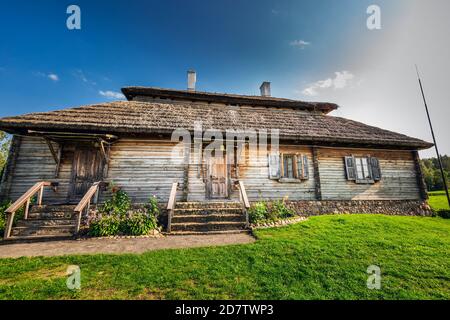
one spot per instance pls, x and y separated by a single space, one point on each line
145 117
227 98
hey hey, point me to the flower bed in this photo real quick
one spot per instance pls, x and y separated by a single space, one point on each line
117 217
277 223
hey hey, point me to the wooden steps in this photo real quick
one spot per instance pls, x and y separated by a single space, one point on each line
207 218
49 222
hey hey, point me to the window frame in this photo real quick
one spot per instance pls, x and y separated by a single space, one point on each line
296 178
367 179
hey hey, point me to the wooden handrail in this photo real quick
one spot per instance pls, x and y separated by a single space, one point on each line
85 202
245 202
244 195
171 205
25 199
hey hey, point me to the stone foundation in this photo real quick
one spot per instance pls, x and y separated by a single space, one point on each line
390 207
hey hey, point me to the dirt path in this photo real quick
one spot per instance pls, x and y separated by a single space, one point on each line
116 246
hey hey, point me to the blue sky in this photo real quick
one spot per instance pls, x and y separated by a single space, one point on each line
311 50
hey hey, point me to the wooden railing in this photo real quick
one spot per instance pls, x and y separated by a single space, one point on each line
25 200
171 205
85 202
245 202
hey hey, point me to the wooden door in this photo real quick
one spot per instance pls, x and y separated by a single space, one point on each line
87 168
217 186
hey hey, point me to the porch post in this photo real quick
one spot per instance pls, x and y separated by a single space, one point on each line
317 188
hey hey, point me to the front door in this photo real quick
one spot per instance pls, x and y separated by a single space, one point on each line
217 182
87 168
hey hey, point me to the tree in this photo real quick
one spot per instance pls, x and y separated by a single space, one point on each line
432 173
5 142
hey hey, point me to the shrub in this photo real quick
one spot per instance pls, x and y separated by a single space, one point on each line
119 219
261 211
119 203
3 206
280 210
138 224
152 206
107 225
443 213
258 212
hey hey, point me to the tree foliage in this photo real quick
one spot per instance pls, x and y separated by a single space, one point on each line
432 173
4 148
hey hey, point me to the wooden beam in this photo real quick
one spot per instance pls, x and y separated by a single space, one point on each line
58 164
171 205
317 187
52 150
244 194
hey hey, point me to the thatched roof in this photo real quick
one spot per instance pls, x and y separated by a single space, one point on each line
132 117
227 98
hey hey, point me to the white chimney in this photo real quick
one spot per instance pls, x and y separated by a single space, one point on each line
265 89
192 78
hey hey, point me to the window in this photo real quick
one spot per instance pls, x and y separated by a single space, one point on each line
362 169
288 167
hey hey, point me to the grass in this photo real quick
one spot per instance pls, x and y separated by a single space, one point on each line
438 200
325 257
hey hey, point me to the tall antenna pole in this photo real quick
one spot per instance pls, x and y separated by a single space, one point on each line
444 178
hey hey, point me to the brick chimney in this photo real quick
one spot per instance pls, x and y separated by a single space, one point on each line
265 89
192 78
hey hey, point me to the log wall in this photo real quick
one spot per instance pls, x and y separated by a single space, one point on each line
35 163
145 167
398 182
255 175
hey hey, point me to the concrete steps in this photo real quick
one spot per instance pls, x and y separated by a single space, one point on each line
207 218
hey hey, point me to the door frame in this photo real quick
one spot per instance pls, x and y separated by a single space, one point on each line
74 168
227 175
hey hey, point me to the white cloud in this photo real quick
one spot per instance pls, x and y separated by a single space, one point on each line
53 77
302 44
80 75
111 94
341 80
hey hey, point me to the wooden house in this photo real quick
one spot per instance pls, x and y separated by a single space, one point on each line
320 161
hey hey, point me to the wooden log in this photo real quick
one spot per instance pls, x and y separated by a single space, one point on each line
316 167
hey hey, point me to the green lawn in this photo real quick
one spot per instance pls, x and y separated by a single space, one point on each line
325 257
438 200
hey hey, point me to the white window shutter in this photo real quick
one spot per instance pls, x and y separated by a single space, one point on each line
274 166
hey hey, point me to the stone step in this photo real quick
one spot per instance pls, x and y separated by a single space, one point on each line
207 227
61 230
45 222
206 211
208 205
53 215
205 218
